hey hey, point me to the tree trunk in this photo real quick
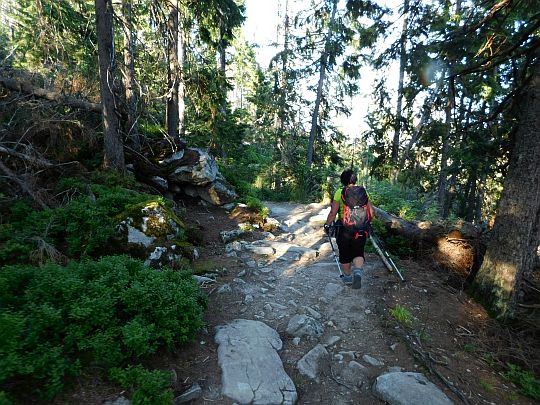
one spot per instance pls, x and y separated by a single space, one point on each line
172 72
280 117
322 76
129 76
402 62
442 183
114 151
181 83
514 247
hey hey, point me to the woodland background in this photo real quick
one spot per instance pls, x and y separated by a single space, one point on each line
95 93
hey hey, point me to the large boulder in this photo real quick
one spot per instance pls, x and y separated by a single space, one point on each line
195 172
152 232
196 167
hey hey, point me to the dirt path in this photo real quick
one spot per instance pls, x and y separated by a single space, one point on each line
442 340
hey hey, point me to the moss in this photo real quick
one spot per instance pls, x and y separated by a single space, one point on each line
158 216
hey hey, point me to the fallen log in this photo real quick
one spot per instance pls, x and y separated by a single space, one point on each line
28 88
458 246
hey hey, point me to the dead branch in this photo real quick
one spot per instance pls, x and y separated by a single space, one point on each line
426 359
28 88
34 161
22 185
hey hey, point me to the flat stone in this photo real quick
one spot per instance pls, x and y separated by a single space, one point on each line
408 389
252 371
372 361
303 325
193 392
310 364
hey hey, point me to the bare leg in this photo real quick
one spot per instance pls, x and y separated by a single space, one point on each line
346 268
358 262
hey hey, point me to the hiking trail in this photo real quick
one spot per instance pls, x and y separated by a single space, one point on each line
283 328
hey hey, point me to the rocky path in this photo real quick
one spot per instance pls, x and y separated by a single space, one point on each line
298 335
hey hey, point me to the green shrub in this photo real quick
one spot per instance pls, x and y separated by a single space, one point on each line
402 315
149 387
527 383
54 319
81 227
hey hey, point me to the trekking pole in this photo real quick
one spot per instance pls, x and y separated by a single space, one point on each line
334 252
387 260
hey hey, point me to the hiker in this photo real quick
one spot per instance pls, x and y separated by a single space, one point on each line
354 211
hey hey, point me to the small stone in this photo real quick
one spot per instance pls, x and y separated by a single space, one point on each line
296 341
393 347
372 361
367 311
332 340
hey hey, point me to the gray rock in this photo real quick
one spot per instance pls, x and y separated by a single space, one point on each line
195 167
118 401
193 392
332 340
331 290
229 236
372 361
218 192
303 325
408 389
252 371
310 365
173 157
202 279
354 373
137 237
260 250
224 289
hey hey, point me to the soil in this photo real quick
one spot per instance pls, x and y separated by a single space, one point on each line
449 335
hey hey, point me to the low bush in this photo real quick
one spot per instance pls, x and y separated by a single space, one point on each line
54 320
80 227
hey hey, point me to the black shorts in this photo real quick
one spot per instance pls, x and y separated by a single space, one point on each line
350 245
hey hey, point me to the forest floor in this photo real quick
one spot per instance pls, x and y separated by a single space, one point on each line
450 338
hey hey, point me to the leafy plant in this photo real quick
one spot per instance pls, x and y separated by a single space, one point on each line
81 227
526 381
402 315
149 387
54 320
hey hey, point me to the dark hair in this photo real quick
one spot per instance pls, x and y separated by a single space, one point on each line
348 177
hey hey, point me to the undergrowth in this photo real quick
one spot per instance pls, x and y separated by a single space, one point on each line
81 226
56 319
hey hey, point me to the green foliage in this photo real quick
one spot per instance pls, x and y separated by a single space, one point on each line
149 387
395 199
402 315
257 205
55 320
80 227
526 381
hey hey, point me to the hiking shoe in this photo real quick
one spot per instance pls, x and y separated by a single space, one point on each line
347 279
356 278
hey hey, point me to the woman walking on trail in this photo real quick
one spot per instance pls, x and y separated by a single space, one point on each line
354 210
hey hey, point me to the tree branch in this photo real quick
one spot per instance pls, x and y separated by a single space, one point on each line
28 88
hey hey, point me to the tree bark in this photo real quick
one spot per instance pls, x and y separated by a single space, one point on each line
114 151
514 248
402 62
28 88
322 76
442 183
129 76
181 77
172 72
